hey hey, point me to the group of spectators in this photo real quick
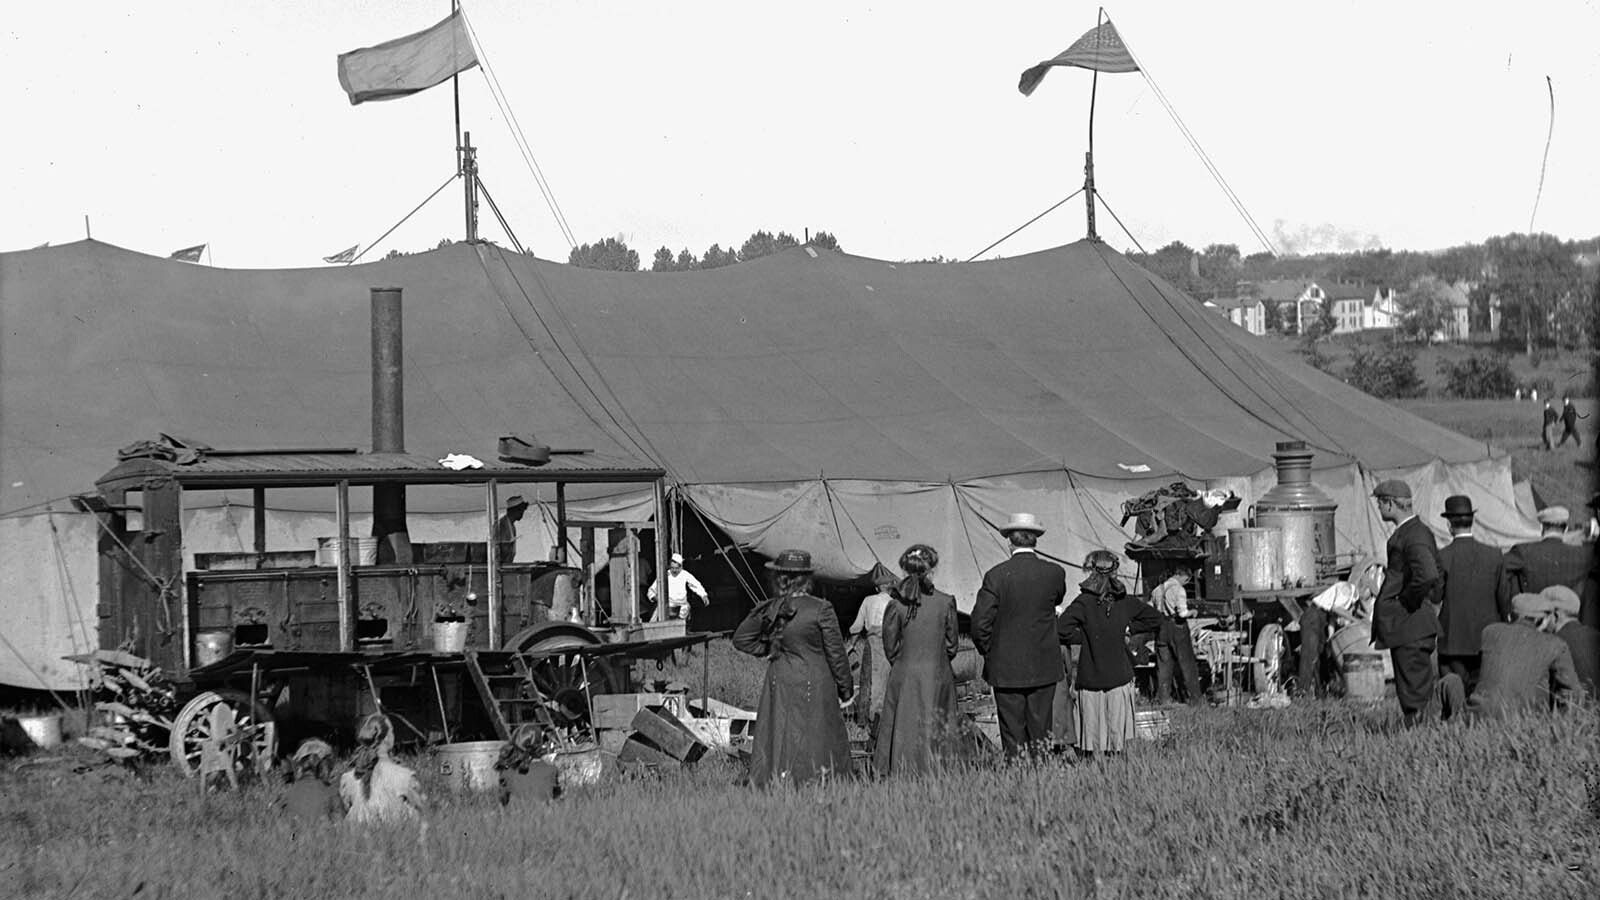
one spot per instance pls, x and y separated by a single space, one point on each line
1470 630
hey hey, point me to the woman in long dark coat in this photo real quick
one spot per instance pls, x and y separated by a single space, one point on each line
799 732
919 701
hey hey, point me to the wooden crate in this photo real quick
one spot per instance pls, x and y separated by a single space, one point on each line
661 729
617 710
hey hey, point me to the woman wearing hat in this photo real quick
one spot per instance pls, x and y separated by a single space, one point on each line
799 733
920 638
1101 619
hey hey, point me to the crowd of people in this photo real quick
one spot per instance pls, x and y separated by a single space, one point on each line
1469 632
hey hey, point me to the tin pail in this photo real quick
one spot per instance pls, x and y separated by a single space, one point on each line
212 646
363 551
469 766
1257 555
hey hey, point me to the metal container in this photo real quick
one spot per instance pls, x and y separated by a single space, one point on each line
212 646
1303 513
44 730
1363 677
469 766
1151 724
1257 556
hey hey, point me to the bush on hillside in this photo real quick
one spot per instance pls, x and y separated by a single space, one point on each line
1478 377
1387 372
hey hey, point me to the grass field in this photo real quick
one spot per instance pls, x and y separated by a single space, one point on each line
1320 800
1564 476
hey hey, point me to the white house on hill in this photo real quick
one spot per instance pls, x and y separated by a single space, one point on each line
1248 313
1361 307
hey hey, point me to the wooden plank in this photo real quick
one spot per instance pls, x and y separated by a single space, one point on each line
665 732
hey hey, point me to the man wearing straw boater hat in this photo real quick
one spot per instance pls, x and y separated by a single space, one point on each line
1014 627
1474 593
1403 617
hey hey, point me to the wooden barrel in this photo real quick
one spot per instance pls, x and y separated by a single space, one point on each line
968 663
1363 676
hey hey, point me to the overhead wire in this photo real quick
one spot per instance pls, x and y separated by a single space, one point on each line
1545 160
453 177
497 93
1205 158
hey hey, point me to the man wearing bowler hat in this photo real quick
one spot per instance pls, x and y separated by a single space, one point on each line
1014 627
1403 617
1474 592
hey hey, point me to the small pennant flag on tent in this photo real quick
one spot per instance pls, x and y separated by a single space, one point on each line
343 256
1100 49
409 64
189 254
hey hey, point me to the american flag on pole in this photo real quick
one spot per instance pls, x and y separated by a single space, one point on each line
343 256
1100 49
189 254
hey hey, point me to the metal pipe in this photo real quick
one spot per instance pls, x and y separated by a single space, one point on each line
491 489
388 423
347 619
258 518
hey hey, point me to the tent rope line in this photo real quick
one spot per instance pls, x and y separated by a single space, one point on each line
67 590
406 217
647 447
1283 428
1047 212
532 345
755 597
838 532
1118 219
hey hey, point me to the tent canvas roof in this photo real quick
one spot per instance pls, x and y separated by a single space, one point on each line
790 366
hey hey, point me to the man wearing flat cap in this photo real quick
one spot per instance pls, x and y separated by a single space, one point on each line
1474 593
1581 640
1403 617
1536 565
1524 669
1014 627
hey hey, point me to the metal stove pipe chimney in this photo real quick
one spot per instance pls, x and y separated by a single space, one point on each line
388 424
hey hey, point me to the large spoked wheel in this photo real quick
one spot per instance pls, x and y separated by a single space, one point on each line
565 679
192 728
1272 669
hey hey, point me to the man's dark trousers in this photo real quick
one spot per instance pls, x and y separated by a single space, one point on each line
1175 649
1024 715
1414 678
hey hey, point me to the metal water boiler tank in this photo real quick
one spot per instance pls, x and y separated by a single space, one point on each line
1302 512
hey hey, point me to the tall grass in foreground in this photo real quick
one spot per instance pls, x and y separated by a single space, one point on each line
1321 800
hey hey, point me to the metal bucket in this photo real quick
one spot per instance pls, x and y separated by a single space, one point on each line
469 766
43 730
1152 724
1363 676
212 646
1257 555
1299 528
580 765
364 551
450 637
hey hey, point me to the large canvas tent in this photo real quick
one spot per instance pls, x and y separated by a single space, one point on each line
810 398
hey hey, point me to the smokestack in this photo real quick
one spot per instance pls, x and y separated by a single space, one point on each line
388 424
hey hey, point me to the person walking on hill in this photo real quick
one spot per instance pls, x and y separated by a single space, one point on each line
1569 422
1403 618
1474 593
920 638
1101 620
799 733
1014 628
1535 565
1547 429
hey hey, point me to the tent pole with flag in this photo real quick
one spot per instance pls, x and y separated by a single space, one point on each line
1099 50
409 64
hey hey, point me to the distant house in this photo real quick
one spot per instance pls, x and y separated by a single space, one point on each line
1297 301
1361 307
1457 322
1248 313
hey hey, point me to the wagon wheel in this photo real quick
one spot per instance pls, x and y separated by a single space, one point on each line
193 725
1272 671
564 679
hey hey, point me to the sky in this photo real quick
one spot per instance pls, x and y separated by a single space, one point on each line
895 125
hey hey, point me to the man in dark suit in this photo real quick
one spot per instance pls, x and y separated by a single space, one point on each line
1403 618
1475 594
1014 627
1548 427
1536 565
